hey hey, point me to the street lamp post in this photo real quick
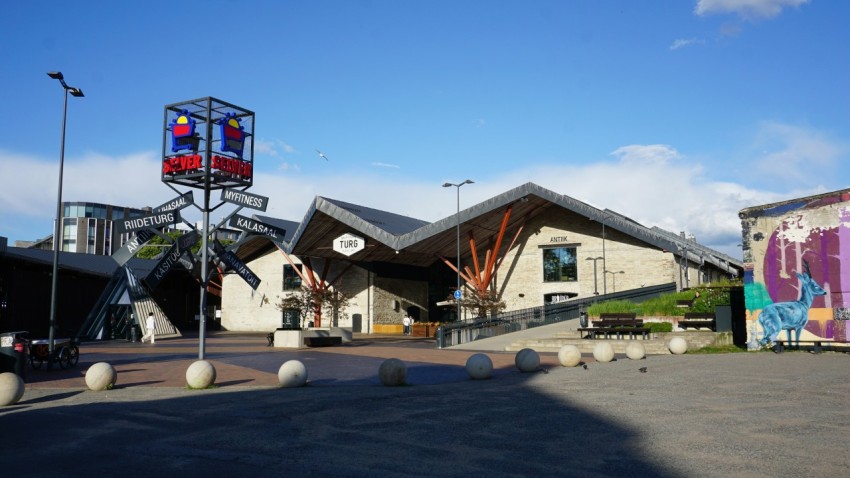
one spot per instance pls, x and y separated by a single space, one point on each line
458 293
614 278
594 259
57 230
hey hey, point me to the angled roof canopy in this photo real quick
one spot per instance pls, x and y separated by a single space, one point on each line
404 240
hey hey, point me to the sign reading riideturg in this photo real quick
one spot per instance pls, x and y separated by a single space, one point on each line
156 220
242 198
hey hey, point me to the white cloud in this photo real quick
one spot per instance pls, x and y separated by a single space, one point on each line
794 155
682 43
386 165
747 9
660 154
653 184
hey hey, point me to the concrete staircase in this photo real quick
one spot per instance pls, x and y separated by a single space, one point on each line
656 345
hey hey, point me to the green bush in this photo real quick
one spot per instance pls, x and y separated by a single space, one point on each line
656 327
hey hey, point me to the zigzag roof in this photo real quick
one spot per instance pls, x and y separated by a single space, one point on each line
401 239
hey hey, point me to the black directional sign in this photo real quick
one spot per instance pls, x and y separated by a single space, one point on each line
242 198
130 249
257 227
155 220
235 264
163 267
172 258
177 203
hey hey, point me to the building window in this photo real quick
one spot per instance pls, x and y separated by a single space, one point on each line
291 279
559 264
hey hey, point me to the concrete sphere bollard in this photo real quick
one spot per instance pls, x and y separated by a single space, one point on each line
11 388
292 373
569 356
527 360
101 376
677 345
635 351
603 352
479 367
201 374
393 372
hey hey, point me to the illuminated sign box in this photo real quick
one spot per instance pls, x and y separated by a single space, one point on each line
208 141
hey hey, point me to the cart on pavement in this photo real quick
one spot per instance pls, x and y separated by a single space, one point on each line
65 351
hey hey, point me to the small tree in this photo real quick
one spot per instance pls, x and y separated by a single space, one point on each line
309 302
486 304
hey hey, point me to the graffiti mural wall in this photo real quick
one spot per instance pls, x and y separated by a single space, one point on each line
797 269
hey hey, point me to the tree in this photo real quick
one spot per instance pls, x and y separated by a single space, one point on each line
484 304
314 303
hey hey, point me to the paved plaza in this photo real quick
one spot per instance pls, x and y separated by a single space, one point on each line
743 415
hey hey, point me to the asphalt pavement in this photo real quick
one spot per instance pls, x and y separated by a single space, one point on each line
742 414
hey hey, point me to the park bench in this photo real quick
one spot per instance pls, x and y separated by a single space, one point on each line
698 320
780 344
618 324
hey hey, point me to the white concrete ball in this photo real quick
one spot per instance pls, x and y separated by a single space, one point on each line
603 352
677 345
393 372
11 388
527 360
292 373
635 351
479 367
201 374
569 356
101 376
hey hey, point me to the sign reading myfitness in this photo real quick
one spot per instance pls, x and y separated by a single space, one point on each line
208 143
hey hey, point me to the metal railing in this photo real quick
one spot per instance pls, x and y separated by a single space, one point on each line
457 333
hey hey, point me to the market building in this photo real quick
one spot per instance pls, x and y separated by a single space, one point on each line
529 245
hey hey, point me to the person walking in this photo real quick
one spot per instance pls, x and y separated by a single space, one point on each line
150 325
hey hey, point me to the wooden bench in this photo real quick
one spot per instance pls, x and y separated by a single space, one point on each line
698 320
322 341
779 345
618 324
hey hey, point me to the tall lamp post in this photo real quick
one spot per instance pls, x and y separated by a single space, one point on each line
457 216
57 230
614 278
594 259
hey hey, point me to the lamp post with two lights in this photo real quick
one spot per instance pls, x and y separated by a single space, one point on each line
57 231
458 294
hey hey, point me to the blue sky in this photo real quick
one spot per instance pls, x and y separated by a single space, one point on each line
675 113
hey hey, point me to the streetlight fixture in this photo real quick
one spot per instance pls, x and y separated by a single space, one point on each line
594 259
614 278
458 293
57 230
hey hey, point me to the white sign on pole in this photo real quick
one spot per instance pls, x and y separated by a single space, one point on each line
348 244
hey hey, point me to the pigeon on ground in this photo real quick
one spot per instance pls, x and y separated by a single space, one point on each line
642 369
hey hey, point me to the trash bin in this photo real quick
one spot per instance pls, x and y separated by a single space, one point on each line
14 351
134 333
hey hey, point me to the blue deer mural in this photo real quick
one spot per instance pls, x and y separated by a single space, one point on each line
788 316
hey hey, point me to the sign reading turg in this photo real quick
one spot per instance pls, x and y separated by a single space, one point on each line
156 221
